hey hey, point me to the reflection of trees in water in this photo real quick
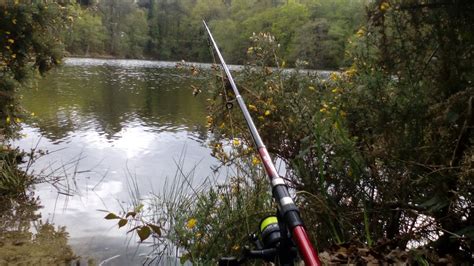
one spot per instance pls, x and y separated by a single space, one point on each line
25 240
106 98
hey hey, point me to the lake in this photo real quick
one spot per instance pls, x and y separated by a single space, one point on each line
107 125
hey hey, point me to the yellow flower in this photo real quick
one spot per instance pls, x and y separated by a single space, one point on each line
267 112
252 107
384 6
323 110
351 72
17 120
191 223
360 32
334 76
255 160
8 120
261 118
335 90
11 41
311 88
32 113
236 142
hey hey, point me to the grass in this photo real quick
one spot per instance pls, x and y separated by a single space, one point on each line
201 221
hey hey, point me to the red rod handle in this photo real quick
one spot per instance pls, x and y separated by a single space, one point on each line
305 248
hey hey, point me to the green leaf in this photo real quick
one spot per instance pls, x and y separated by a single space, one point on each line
133 214
155 229
111 216
122 222
144 232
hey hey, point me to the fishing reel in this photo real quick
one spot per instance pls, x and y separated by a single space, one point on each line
272 243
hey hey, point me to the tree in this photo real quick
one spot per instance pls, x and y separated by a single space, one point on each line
30 35
87 34
135 34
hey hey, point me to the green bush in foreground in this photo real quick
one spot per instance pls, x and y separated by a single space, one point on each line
382 152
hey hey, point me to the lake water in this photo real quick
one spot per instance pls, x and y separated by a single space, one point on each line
107 124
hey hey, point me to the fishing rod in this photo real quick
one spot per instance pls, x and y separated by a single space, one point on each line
286 206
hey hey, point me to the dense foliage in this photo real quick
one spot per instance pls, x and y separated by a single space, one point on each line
315 30
382 153
30 36
30 39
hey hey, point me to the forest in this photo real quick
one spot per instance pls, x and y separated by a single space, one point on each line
380 151
172 30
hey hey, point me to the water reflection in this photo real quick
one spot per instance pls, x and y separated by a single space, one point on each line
108 123
108 98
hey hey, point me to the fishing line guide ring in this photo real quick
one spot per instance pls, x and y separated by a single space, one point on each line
230 104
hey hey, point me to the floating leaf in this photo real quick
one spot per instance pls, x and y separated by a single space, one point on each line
111 216
122 222
144 232
155 229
